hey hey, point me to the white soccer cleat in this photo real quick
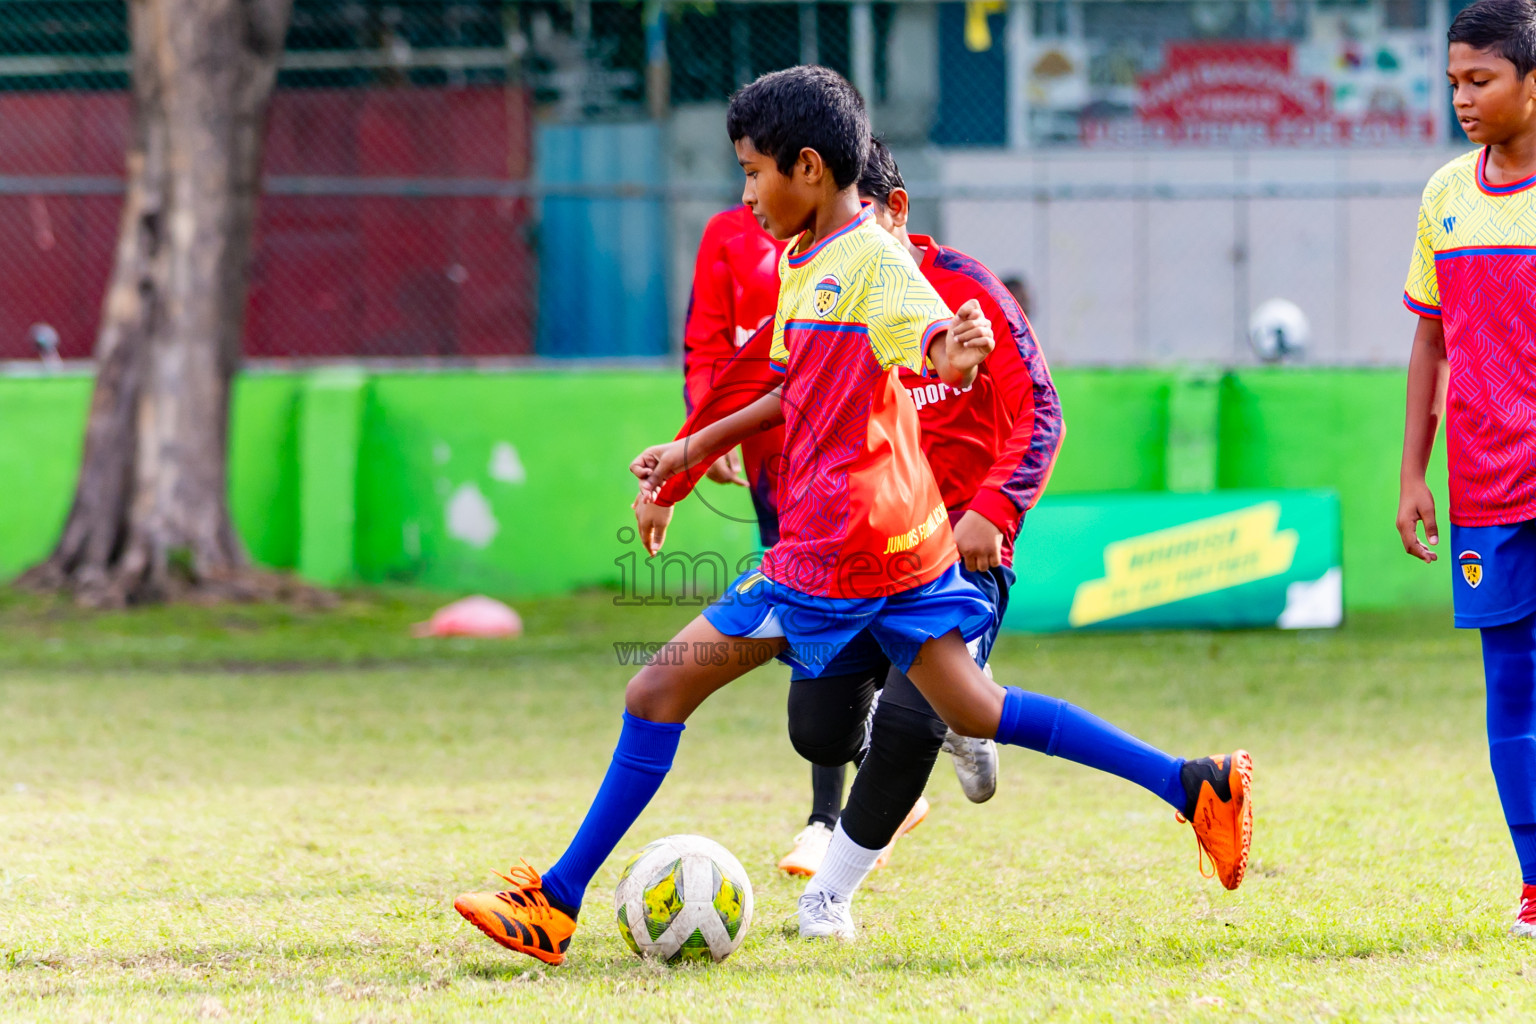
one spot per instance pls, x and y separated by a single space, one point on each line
809 850
825 916
975 763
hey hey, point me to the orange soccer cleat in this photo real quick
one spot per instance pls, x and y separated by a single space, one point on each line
1221 810
809 850
520 918
913 819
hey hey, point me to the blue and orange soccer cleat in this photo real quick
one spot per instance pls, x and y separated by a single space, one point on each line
1220 791
520 918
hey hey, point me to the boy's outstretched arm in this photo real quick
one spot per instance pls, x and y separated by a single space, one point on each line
958 352
1428 372
668 472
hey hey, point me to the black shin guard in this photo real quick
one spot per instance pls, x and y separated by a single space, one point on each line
902 749
827 717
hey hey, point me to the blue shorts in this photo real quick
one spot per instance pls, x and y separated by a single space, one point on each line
863 655
819 628
1493 573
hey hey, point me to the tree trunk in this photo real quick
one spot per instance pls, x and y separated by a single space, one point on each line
150 519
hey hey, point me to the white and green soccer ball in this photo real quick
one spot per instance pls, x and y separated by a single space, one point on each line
684 898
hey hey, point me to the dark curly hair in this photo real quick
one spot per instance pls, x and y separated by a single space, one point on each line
804 107
881 176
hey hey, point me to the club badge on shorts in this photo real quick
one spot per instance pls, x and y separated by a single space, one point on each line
1471 567
828 291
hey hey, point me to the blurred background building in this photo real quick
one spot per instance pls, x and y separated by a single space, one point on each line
491 179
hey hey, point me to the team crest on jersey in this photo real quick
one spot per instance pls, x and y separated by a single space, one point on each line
828 291
1471 568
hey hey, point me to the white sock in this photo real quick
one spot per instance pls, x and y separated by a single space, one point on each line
844 867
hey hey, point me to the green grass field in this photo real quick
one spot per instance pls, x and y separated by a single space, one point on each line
260 813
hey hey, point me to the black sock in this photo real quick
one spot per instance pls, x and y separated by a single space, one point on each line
1193 773
826 794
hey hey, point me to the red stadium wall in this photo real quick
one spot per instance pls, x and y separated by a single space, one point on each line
375 264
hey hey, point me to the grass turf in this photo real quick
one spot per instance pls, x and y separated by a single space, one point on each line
259 813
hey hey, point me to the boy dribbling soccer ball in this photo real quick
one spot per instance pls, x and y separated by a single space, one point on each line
865 541
1472 280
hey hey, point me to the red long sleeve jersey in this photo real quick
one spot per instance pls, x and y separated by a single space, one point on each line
735 292
991 446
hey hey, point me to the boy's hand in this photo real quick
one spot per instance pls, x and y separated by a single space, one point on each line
727 469
652 520
980 542
1416 505
656 464
970 338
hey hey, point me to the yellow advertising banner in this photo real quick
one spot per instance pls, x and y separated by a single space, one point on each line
1185 561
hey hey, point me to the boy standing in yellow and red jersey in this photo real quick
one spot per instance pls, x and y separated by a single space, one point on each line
1472 280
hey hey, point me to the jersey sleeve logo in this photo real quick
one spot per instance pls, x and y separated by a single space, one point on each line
1471 568
828 291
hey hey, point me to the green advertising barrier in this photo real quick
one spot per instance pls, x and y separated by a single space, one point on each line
1223 559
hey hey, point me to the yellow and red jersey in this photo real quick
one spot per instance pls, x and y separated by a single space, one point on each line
1474 268
860 514
991 446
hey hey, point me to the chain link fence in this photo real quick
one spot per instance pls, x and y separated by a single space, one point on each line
483 179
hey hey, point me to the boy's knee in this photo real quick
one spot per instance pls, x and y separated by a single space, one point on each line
647 696
826 721
829 744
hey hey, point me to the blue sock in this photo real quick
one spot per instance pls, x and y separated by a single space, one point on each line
1525 849
1509 667
640 761
1059 729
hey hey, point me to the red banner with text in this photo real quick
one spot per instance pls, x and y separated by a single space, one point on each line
1247 93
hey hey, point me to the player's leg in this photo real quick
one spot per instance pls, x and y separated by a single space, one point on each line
537 915
828 784
1210 792
1509 665
903 746
827 726
974 760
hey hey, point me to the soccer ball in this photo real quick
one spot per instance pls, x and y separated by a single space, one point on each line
1278 329
684 898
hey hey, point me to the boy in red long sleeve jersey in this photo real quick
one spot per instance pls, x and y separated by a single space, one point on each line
735 289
